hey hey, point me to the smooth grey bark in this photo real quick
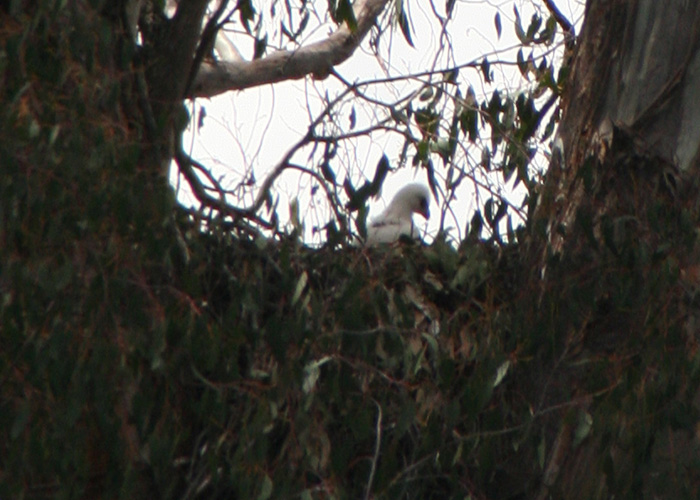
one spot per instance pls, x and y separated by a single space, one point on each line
636 68
317 59
639 62
654 83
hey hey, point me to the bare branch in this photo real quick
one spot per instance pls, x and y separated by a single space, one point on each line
377 447
330 195
316 59
185 165
207 42
559 17
286 161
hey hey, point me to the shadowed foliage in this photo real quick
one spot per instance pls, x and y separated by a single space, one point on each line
147 353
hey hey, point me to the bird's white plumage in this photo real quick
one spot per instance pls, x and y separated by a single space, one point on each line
397 219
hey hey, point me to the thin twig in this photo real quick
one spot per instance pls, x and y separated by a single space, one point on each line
286 161
185 165
332 199
377 447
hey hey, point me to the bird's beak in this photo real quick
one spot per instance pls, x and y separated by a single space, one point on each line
425 212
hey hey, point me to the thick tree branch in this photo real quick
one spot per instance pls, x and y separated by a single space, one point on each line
316 59
207 42
176 49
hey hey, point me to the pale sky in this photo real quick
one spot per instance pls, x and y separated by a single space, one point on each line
251 131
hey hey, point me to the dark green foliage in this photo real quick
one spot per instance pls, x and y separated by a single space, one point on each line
341 10
145 355
330 338
622 318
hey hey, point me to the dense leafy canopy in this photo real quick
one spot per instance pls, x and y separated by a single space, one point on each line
149 352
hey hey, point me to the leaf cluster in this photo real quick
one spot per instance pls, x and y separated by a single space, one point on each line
145 353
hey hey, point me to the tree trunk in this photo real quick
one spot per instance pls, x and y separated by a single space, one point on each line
636 69
615 256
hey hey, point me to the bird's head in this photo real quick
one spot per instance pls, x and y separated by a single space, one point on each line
412 198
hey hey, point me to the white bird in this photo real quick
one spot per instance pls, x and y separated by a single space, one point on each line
397 219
